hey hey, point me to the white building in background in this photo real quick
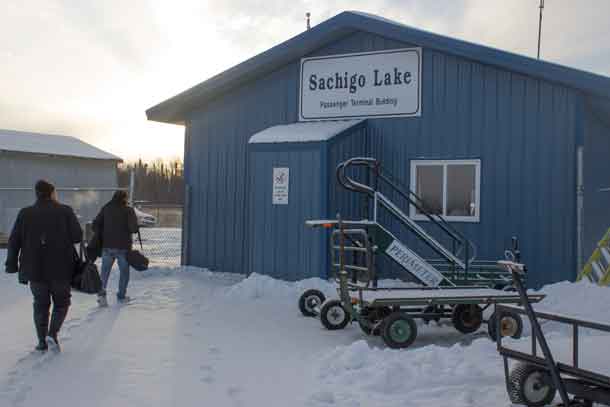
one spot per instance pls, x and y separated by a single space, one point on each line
84 175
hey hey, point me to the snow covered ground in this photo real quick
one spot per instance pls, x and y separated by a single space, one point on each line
193 338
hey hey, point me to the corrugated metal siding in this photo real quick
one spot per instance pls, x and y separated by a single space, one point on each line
218 166
22 170
219 133
341 148
521 128
280 244
596 176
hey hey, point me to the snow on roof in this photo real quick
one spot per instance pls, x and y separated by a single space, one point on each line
303 132
36 143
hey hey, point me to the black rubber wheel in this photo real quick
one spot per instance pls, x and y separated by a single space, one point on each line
398 330
309 300
467 318
530 385
333 316
373 316
511 324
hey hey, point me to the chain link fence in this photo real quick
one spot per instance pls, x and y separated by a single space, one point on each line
162 238
160 224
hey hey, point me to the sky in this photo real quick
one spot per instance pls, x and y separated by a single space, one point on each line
90 69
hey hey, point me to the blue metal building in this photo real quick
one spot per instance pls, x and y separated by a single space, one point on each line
503 144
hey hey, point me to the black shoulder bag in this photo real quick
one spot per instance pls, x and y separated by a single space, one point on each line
86 278
136 259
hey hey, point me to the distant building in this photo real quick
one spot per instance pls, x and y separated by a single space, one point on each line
84 175
500 144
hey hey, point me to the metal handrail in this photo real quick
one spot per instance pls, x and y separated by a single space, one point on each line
375 167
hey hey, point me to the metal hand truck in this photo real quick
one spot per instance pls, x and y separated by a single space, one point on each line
536 379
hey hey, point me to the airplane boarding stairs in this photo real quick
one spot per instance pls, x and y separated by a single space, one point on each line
366 239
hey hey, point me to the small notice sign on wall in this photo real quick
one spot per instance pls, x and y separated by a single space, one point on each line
281 178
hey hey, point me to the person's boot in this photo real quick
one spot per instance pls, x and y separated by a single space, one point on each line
41 323
102 301
42 346
53 343
57 319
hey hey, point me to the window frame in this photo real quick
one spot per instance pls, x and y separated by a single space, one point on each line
444 163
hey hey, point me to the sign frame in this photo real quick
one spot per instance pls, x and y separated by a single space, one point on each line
416 113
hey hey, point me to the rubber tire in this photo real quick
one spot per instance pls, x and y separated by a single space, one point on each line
463 326
303 301
388 324
517 379
378 314
326 308
491 325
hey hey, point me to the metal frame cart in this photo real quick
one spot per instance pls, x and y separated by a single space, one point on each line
453 287
536 379
391 311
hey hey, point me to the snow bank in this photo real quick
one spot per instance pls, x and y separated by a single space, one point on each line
457 375
581 300
426 376
257 286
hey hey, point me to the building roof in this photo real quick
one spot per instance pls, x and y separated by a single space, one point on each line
50 144
303 132
175 109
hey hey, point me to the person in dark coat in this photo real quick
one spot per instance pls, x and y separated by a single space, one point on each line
41 250
114 226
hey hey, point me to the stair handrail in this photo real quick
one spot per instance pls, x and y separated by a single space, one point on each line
439 220
411 197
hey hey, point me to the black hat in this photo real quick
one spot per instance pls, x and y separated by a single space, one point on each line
44 189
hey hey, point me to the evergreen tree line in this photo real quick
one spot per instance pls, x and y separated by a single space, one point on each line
157 182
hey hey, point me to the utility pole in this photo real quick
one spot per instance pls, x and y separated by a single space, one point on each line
541 7
308 15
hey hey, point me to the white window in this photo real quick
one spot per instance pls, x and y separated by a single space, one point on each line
447 187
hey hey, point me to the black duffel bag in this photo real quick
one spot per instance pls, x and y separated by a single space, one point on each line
86 278
136 259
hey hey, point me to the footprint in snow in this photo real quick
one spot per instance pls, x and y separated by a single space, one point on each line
213 350
208 374
234 391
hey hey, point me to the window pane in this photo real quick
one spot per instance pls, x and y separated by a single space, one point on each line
430 187
461 194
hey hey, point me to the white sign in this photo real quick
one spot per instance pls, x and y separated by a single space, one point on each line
281 177
371 84
415 264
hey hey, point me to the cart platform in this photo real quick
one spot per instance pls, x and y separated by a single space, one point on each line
424 297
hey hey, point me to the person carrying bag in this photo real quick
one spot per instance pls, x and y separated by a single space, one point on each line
41 250
114 226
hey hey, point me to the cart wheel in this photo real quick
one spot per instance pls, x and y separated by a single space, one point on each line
511 325
531 385
333 316
309 300
467 318
398 330
373 316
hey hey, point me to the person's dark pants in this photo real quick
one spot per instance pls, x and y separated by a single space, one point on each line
43 293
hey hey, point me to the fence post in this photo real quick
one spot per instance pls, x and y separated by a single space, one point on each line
132 183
